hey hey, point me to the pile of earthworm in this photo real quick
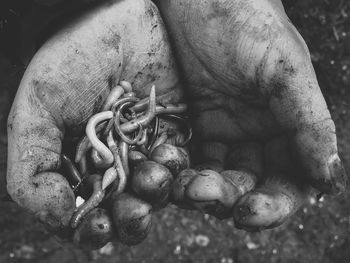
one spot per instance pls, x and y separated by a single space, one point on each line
133 146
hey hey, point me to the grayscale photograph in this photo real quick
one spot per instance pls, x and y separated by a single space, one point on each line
190 131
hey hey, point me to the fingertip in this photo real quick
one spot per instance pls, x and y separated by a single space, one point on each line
259 210
338 176
178 188
333 180
209 192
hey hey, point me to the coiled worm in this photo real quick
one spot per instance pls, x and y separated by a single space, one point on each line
118 166
126 86
91 203
103 151
97 160
144 119
143 140
124 153
155 131
84 144
114 107
171 109
115 94
117 126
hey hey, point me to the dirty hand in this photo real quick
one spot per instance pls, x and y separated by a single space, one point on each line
258 112
66 83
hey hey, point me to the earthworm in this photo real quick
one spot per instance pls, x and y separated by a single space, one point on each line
103 151
84 144
143 139
160 140
97 160
114 108
109 176
171 109
83 165
122 101
133 114
146 118
115 94
161 109
126 86
142 104
154 132
124 152
118 127
74 177
129 94
94 200
118 166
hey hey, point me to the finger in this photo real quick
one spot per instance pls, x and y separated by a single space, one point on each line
178 188
278 196
298 105
247 157
95 231
270 204
211 155
215 193
243 165
132 218
69 67
34 149
212 193
67 82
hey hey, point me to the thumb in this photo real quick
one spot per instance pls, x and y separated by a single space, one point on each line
34 148
298 105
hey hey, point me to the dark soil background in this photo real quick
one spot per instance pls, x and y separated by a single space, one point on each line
320 232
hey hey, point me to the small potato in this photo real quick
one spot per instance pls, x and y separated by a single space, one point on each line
178 188
132 218
269 205
174 158
212 193
152 181
244 181
95 231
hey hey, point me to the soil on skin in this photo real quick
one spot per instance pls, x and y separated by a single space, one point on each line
319 232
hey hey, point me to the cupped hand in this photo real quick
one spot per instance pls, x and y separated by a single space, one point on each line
258 114
67 82
257 111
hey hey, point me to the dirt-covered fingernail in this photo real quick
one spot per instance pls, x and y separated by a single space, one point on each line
338 177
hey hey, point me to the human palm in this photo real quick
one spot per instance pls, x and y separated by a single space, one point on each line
253 96
256 104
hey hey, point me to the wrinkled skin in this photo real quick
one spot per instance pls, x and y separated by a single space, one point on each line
249 66
250 79
67 82
247 73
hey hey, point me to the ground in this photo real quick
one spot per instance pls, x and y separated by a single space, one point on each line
320 232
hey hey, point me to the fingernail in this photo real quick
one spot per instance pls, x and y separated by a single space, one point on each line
338 178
